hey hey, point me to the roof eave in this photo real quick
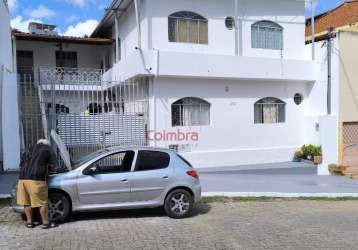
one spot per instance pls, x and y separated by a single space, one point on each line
116 4
74 40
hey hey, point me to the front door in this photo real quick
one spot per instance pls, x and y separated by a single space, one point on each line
107 179
151 175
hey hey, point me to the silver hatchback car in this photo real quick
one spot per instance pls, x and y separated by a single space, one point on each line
123 178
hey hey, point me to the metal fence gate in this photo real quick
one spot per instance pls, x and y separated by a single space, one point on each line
350 144
88 113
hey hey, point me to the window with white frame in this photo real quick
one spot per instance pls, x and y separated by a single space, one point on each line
270 110
267 35
190 111
187 27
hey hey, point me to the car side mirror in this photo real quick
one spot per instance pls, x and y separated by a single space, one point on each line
90 171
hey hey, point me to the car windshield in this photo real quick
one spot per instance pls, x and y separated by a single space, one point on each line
87 158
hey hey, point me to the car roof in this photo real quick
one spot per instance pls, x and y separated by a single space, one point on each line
116 148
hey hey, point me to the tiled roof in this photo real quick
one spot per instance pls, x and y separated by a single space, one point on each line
344 14
57 38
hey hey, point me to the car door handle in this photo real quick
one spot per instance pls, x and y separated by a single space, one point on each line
165 177
124 180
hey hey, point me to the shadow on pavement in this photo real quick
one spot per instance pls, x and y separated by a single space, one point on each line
199 209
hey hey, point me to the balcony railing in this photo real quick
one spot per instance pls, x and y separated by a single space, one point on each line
70 76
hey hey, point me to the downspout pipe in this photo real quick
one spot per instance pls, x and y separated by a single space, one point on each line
313 29
116 34
137 15
329 71
236 6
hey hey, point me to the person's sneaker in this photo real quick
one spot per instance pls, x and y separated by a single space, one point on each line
49 225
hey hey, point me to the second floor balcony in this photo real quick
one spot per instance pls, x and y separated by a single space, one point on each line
70 76
60 75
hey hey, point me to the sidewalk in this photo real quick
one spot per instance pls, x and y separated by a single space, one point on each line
275 180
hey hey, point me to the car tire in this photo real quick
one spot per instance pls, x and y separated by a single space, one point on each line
178 204
59 207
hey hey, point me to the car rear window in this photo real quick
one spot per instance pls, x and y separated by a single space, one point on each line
185 160
151 160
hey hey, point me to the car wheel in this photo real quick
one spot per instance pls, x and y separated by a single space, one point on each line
58 207
178 204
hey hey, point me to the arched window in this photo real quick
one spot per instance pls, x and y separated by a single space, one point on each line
187 27
190 111
267 35
270 110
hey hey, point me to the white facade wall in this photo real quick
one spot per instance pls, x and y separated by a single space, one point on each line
289 14
9 132
127 32
154 26
231 83
232 137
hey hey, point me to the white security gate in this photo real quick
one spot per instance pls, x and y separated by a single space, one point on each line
86 112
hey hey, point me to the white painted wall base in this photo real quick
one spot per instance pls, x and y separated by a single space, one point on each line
239 157
329 142
236 157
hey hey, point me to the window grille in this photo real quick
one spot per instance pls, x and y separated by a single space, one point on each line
188 27
267 35
269 110
190 111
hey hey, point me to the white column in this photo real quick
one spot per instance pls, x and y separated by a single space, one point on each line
10 121
329 141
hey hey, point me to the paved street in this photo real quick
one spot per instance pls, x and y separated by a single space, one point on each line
231 225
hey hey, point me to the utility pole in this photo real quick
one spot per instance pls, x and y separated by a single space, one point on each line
329 69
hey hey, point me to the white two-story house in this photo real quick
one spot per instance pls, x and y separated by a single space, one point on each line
232 76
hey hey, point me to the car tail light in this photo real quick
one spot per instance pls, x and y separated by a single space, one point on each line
193 174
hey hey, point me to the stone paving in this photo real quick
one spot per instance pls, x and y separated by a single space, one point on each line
285 224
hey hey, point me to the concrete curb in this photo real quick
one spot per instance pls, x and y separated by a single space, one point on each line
259 194
277 194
